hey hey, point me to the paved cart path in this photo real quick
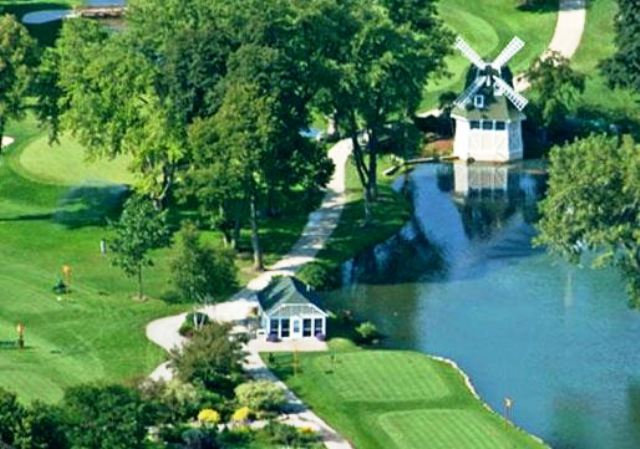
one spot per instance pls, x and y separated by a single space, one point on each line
321 223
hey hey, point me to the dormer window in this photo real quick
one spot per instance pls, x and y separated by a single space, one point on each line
478 101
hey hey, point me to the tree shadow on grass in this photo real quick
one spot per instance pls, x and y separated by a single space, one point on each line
550 6
90 205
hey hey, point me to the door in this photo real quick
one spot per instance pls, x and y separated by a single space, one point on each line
296 331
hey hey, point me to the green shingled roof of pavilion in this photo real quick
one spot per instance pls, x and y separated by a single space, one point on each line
287 290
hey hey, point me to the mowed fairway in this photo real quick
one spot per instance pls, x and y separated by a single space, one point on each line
397 400
96 333
488 26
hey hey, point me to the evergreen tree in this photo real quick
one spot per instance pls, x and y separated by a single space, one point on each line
623 68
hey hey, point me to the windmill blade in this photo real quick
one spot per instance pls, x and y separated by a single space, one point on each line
508 52
518 100
470 91
470 53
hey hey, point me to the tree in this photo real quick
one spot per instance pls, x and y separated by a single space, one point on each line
106 417
593 204
556 87
11 414
199 271
211 358
17 58
623 68
136 91
260 396
378 74
140 229
42 427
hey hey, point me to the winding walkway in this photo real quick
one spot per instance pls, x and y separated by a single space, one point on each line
322 222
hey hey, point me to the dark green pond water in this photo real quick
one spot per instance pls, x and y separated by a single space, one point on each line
463 281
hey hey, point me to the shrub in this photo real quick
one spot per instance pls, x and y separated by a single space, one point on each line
273 337
199 439
367 331
261 396
320 275
211 358
282 434
241 415
209 416
191 321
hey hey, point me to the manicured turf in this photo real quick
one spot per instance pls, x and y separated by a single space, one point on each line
444 429
598 44
488 26
66 163
96 332
397 400
379 368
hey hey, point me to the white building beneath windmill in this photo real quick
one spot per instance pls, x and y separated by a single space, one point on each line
488 115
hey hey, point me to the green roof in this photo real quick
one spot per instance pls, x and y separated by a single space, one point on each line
497 108
287 290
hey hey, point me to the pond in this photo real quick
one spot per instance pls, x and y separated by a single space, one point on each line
463 281
53 15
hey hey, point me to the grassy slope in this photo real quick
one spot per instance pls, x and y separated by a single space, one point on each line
97 332
488 26
597 44
397 400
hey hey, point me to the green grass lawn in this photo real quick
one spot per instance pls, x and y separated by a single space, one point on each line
66 163
488 26
397 400
52 212
598 44
96 332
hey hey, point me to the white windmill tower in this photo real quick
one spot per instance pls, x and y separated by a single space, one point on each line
489 114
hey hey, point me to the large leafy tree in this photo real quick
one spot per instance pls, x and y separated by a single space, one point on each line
140 229
11 414
593 205
200 271
211 358
623 68
136 91
379 72
17 59
556 88
106 417
42 427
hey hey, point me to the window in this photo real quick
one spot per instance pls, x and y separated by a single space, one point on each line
475 124
285 332
478 101
273 326
296 326
487 124
500 126
306 327
317 326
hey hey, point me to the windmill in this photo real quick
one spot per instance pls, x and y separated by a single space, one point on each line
488 113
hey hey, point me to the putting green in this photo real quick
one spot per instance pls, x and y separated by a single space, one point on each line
66 163
384 376
382 399
445 429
